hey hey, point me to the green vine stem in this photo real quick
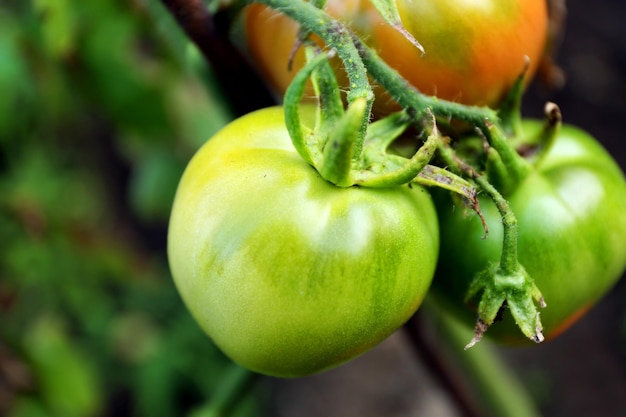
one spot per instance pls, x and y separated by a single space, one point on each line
327 90
407 170
547 135
330 146
358 59
513 168
336 163
508 260
334 33
292 110
239 82
410 98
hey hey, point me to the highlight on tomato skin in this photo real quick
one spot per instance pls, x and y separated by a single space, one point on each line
474 50
287 273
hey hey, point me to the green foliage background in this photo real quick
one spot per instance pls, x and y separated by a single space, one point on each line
102 103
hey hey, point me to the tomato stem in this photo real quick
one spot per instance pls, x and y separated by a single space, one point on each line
333 33
338 152
360 60
508 259
327 91
510 108
309 152
337 36
410 98
408 169
507 283
514 168
547 136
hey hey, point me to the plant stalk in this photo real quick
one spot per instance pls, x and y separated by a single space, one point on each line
237 79
479 380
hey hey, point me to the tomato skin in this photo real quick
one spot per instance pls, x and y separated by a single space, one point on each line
571 216
270 38
474 49
288 274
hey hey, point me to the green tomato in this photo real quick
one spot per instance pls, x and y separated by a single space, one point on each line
571 213
288 274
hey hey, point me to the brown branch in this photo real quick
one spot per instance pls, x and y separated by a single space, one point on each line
238 81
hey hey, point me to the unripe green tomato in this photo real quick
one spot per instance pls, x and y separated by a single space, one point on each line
288 274
571 213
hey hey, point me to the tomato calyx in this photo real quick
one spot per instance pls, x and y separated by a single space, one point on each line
349 151
513 289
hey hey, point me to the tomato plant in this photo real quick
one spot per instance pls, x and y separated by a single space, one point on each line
571 213
474 50
287 273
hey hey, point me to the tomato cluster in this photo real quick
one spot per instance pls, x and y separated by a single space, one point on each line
291 275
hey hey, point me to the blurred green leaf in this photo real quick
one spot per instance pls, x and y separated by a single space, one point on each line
14 77
103 103
69 385
59 26
153 184
29 407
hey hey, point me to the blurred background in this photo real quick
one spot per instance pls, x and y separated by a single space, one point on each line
102 103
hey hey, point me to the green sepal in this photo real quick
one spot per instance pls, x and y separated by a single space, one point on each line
513 168
338 152
326 89
544 139
498 173
389 176
434 176
515 290
389 11
293 97
509 111
382 133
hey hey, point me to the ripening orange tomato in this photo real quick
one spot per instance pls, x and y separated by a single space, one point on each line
475 49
